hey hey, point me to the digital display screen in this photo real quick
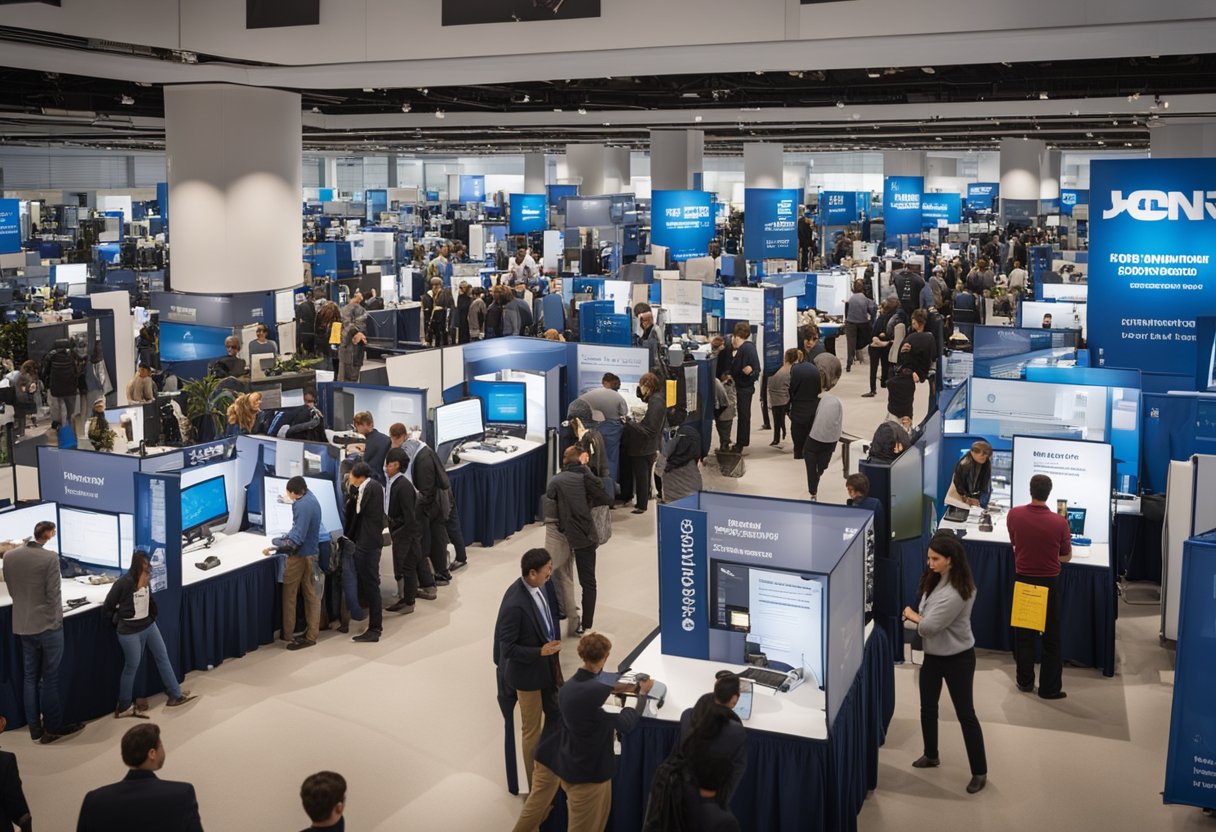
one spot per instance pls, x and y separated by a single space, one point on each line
185 342
90 538
71 273
18 524
457 421
503 402
203 503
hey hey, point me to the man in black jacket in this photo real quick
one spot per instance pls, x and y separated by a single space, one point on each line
14 810
63 373
745 370
365 526
715 730
805 385
412 571
141 802
375 444
526 644
436 509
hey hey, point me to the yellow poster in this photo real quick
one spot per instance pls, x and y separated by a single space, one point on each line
1029 607
335 332
673 392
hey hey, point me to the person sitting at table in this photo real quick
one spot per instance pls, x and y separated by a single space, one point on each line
132 609
141 389
972 476
263 345
232 364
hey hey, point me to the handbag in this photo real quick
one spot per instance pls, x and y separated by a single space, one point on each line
601 519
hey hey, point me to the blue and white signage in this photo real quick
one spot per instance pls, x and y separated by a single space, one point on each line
683 221
88 480
982 196
472 189
1150 261
939 209
683 575
901 210
529 212
1070 197
10 226
838 207
770 223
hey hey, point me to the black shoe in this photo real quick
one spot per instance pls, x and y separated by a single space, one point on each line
766 427
638 511
49 737
869 395
401 605
427 593
774 443
369 637
1026 688
443 579
459 564
343 628
1057 695
927 762
581 630
301 643
977 783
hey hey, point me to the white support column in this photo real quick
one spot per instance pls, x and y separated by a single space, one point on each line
763 165
1020 179
675 155
534 173
586 166
1049 174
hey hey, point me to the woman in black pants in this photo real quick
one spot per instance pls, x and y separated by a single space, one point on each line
880 343
947 594
641 442
576 491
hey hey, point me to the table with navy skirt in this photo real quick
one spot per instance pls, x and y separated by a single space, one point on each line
497 500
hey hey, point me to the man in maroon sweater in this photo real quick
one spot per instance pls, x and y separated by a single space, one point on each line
1041 542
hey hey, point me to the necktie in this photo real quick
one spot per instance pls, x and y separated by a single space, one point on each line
544 605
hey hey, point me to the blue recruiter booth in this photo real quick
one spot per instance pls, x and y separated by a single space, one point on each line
730 563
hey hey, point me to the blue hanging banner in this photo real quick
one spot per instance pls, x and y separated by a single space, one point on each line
1150 261
10 226
901 205
770 223
1070 197
376 201
838 207
982 196
684 582
472 189
936 208
683 221
774 347
529 212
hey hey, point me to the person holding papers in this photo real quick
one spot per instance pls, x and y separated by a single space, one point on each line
972 476
301 548
1041 542
947 594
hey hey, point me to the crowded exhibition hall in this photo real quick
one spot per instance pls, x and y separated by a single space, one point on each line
604 415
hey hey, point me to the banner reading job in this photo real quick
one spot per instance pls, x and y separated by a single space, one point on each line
770 223
683 221
1153 231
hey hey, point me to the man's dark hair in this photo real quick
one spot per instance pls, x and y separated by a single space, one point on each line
1040 487
611 380
920 316
361 470
138 741
42 528
321 792
533 560
726 688
742 330
859 483
399 456
297 485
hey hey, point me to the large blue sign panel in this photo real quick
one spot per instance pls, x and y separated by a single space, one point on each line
770 223
683 221
1070 197
982 196
1150 261
838 207
10 226
683 582
529 212
901 204
472 189
936 208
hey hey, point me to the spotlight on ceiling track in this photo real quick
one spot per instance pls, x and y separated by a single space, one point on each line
128 100
840 104
405 108
873 73
440 114
1042 96
928 70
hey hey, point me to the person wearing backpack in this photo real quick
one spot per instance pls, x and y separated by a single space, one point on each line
64 378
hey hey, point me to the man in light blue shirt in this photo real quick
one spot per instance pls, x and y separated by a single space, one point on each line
301 547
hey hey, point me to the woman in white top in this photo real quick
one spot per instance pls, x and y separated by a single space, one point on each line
947 594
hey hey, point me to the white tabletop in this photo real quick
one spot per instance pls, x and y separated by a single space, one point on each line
235 551
72 588
799 713
1096 554
515 449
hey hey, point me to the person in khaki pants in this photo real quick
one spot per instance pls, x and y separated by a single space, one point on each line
578 757
301 545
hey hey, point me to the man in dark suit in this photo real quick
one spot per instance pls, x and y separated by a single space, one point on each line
365 526
745 370
526 644
14 810
375 444
412 571
141 802
805 386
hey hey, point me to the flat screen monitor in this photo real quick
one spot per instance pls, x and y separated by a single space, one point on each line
276 516
1076 520
127 423
17 524
344 410
91 537
457 421
503 402
66 273
187 342
204 503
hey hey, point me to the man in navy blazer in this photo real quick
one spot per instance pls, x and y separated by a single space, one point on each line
141 802
526 644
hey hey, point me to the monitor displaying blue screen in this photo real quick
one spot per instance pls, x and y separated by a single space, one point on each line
204 503
187 342
502 402
1076 521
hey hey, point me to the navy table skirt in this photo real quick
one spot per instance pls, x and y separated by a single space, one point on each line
496 501
1087 599
790 782
227 616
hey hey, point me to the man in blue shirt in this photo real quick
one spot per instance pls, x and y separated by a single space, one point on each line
301 548
745 370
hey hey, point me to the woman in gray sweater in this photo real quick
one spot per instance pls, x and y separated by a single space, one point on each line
947 593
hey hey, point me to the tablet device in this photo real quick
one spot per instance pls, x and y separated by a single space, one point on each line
743 708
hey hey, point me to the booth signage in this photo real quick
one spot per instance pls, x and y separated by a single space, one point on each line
683 222
197 455
87 480
1069 198
472 188
901 205
774 346
529 212
684 575
936 209
982 196
838 207
10 226
770 223
1150 261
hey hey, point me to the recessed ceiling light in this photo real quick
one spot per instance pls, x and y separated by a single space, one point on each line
840 104
697 118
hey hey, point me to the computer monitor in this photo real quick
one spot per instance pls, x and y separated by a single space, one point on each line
187 342
458 421
66 273
504 403
276 517
1076 520
92 538
344 410
17 524
204 504
127 423
261 364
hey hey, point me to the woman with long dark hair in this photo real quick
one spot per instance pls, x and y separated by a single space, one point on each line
947 594
132 609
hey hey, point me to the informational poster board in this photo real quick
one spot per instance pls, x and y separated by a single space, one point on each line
1082 474
682 300
744 305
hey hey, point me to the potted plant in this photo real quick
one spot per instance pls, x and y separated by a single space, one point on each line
207 405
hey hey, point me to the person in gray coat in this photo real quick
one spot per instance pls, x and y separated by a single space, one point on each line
576 490
641 443
779 395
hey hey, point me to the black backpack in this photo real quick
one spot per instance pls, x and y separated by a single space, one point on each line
61 371
665 806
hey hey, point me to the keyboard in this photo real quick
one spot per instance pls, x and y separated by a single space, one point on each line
767 678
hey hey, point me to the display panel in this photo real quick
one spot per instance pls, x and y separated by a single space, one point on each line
17 524
1064 315
134 415
845 625
187 342
907 494
1081 478
683 221
204 503
66 273
457 421
503 402
529 213
91 538
1005 352
1002 408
